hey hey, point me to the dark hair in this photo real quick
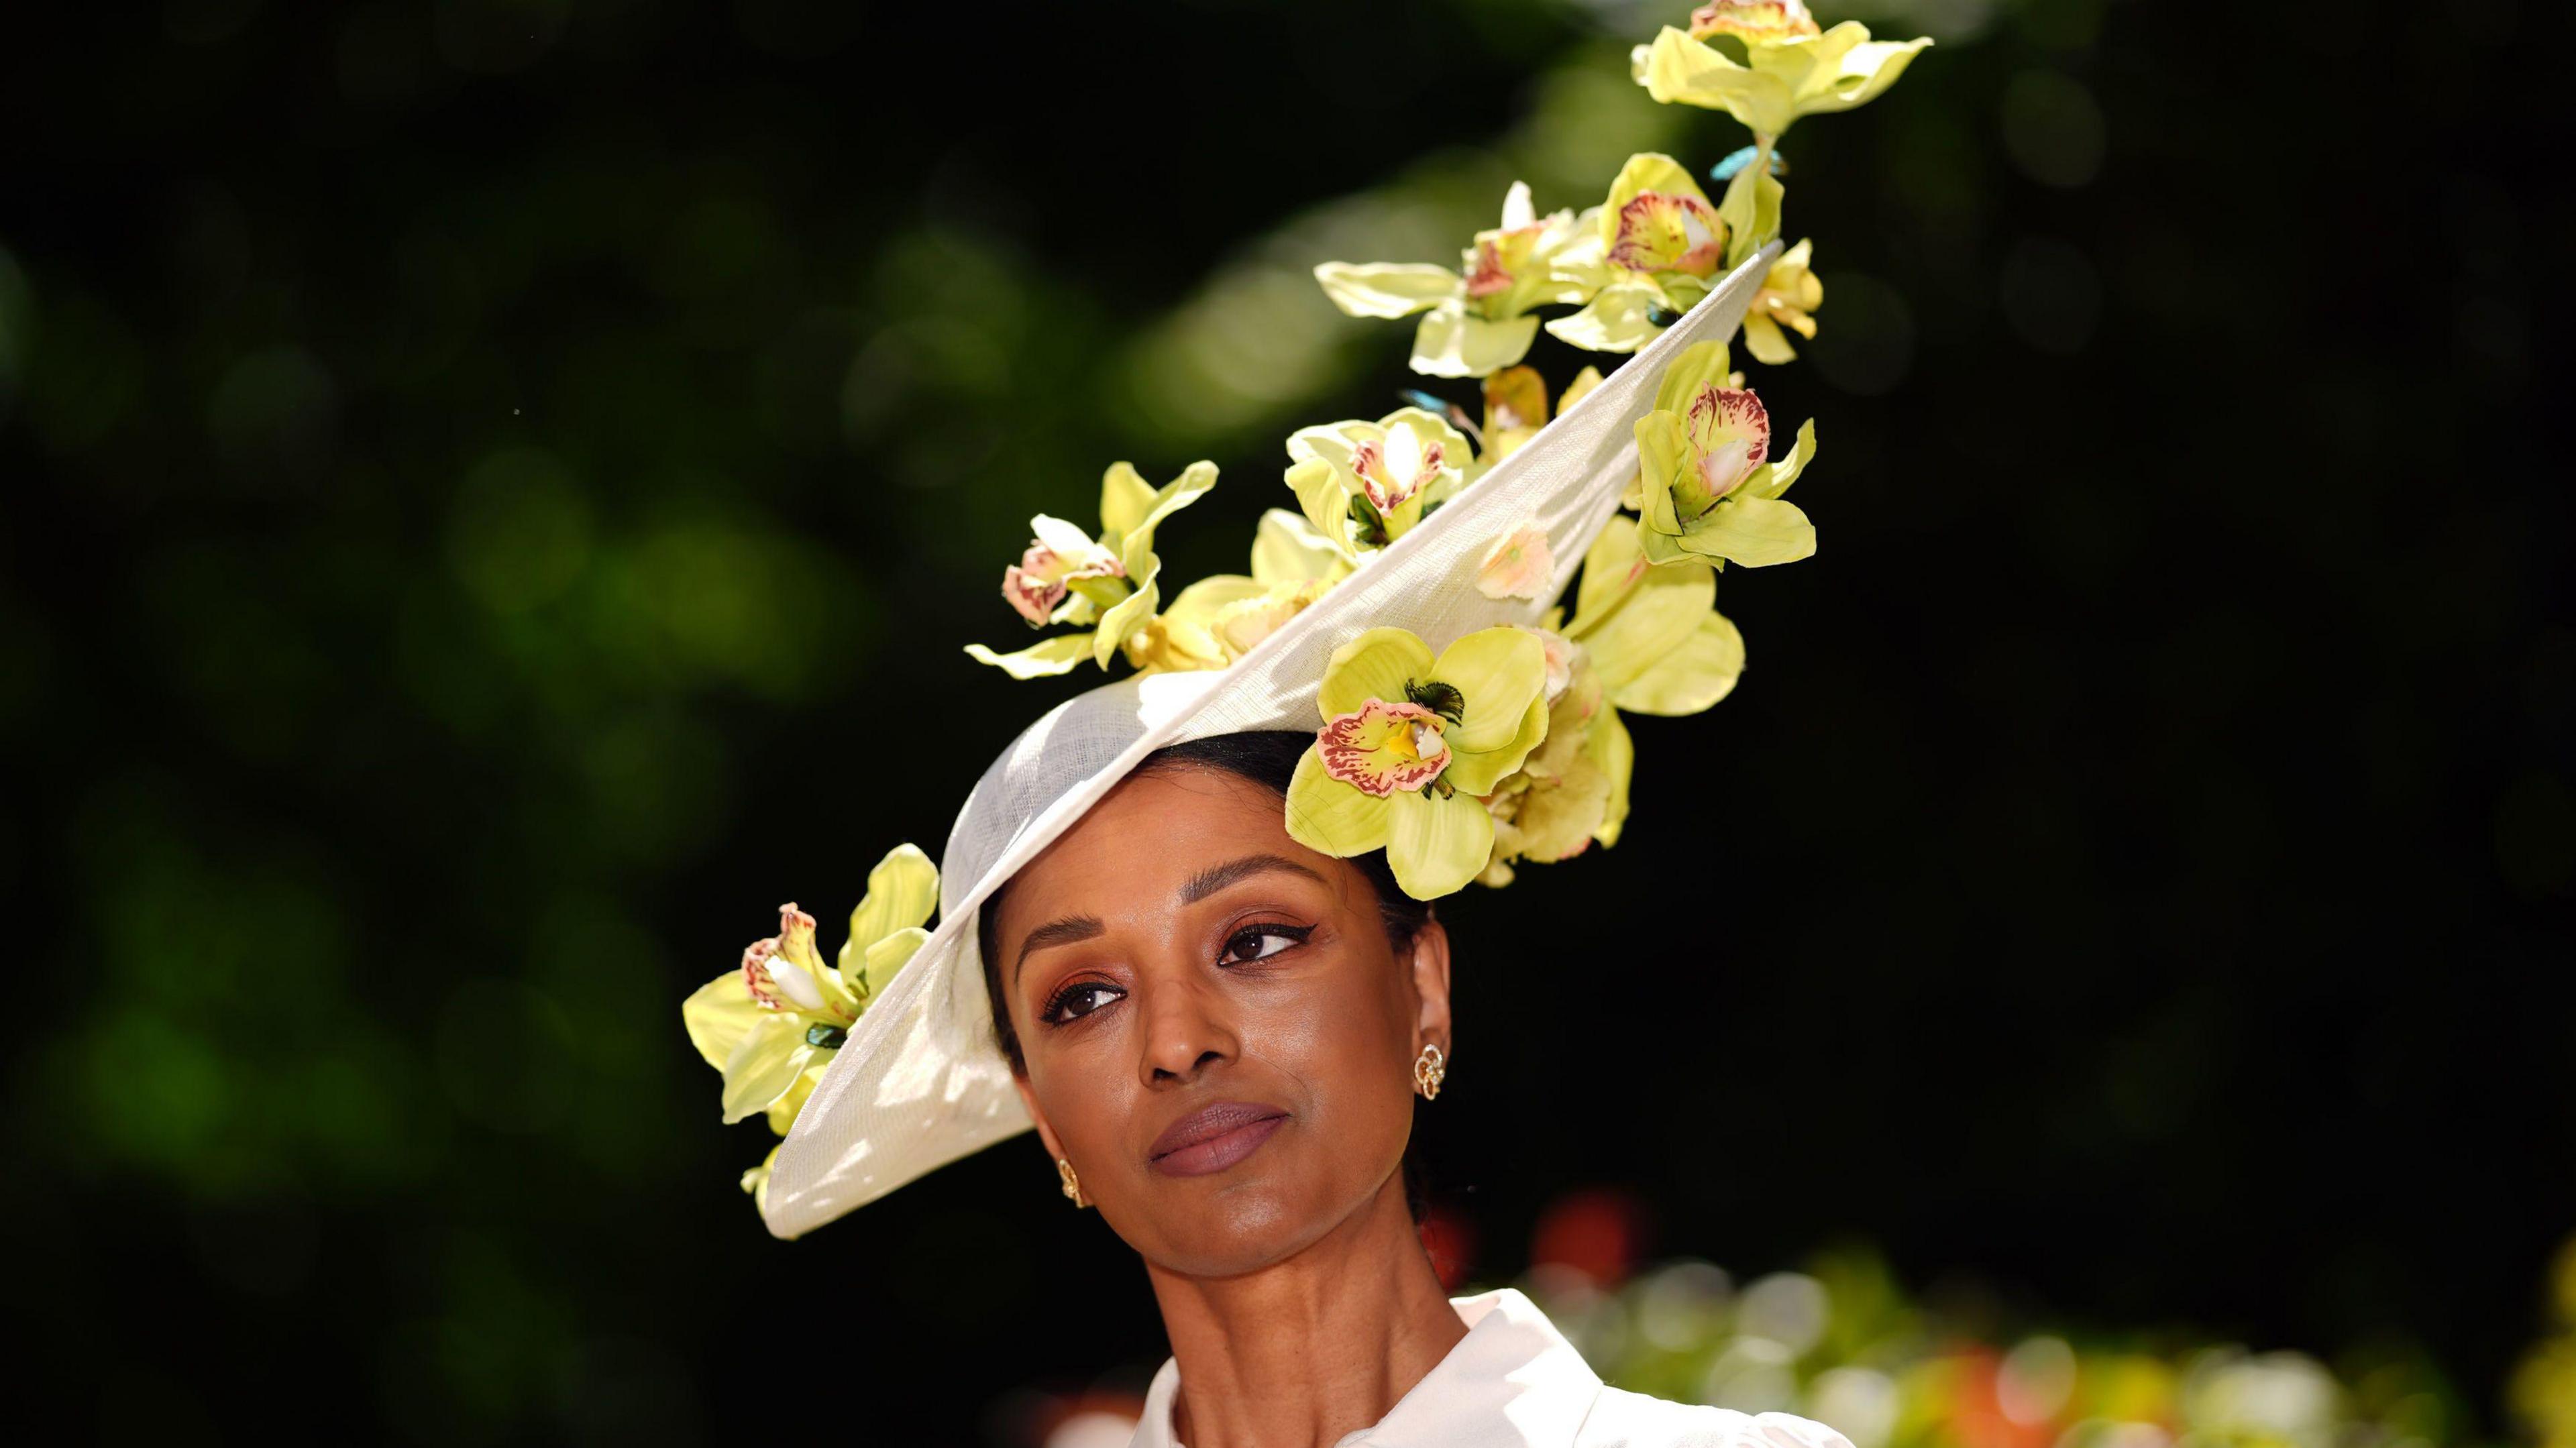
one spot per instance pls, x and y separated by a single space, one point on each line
1268 758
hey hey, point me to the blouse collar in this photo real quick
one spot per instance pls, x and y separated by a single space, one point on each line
1512 1382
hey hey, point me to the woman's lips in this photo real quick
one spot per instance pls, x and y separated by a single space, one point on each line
1213 1138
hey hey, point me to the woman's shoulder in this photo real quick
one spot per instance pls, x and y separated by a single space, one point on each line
1621 1419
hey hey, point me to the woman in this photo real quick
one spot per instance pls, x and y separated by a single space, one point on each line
1185 932
1221 1032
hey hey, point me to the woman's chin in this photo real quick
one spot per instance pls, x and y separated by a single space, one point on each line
1207 1228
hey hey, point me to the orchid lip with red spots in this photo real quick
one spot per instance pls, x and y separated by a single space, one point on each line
1393 471
1730 436
1039 581
1754 20
1381 748
1659 232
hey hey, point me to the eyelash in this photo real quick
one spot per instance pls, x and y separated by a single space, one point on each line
1055 1012
1293 934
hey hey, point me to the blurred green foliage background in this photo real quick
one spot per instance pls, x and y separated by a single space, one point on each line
495 490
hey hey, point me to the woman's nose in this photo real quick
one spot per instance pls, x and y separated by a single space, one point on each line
1188 1027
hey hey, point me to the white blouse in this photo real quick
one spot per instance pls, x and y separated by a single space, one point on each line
1514 1382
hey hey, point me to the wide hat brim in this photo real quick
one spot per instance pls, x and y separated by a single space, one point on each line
921 1080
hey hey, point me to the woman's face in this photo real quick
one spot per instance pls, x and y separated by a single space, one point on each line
1217 1033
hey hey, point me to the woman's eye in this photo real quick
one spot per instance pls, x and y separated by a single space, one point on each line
1080 1001
1256 942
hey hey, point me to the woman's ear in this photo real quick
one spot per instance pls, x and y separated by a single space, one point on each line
1430 961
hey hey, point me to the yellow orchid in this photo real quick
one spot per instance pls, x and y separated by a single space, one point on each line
1477 318
1516 408
1573 788
1105 585
1706 481
1653 635
1365 484
1219 619
1659 243
1790 294
1789 69
773 1024
1411 743
1642 639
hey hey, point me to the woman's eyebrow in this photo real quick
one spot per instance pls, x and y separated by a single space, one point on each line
1207 882
1055 932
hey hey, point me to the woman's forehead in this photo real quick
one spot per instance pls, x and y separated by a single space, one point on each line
1150 837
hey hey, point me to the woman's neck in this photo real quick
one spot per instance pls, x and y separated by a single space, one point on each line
1321 1345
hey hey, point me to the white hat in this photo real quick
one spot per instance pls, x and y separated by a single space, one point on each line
921 1080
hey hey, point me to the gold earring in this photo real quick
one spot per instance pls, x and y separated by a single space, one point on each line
1428 1068
1072 1183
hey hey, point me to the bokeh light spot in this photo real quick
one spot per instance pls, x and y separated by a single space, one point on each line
2053 129
273 408
2052 295
520 532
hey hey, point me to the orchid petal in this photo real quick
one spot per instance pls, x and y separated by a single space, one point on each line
1125 497
1436 844
764 1065
1652 620
1692 677
1616 753
1129 616
1323 499
1064 538
1699 365
1202 601
1454 342
1751 211
890 955
1043 659
1762 338
1330 817
1646 171
1786 470
1375 665
1478 771
903 890
1611 567
1288 548
717 1016
1387 289
1863 72
1663 452
1498 671
1676 68
1618 319
1753 532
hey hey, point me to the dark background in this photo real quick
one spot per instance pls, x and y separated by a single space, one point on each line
495 491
